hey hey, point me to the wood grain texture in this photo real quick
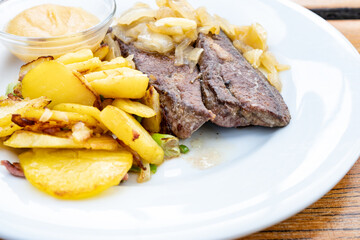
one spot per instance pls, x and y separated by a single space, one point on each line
329 3
337 214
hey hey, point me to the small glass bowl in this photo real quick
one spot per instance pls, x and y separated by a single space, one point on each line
30 48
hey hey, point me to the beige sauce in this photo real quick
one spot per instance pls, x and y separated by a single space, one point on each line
50 20
203 158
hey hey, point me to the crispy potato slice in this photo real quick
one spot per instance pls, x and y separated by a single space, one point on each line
130 84
102 51
26 139
54 80
85 66
132 107
60 116
75 57
118 62
98 75
106 73
30 65
74 174
82 109
128 130
9 129
8 107
152 100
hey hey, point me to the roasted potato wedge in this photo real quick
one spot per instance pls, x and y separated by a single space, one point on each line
132 107
128 130
152 100
74 174
53 80
26 139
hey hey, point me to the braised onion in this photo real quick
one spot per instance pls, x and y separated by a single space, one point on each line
174 28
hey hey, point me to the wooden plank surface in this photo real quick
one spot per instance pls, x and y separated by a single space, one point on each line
337 214
329 3
351 30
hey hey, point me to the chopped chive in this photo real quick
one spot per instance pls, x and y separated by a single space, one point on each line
139 119
135 169
184 149
153 168
10 87
168 143
102 98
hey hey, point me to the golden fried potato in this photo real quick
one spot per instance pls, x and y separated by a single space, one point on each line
74 174
9 129
102 51
85 66
26 139
132 107
8 107
128 130
118 62
69 118
106 73
75 57
53 80
30 65
130 84
152 100
82 109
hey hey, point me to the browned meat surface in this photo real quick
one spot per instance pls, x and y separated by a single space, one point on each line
13 168
178 87
238 94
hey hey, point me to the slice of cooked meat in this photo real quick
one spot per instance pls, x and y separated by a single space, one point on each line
237 93
178 87
13 168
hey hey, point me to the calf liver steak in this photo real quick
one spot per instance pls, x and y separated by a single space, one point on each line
178 87
232 89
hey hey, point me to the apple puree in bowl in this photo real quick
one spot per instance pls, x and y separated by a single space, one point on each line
51 20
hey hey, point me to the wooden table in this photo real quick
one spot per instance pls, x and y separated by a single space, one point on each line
337 214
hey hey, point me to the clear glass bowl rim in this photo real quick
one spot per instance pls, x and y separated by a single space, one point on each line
97 27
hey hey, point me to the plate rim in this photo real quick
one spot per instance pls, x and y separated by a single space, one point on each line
346 161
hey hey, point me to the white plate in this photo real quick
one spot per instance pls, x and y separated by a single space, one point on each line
264 176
